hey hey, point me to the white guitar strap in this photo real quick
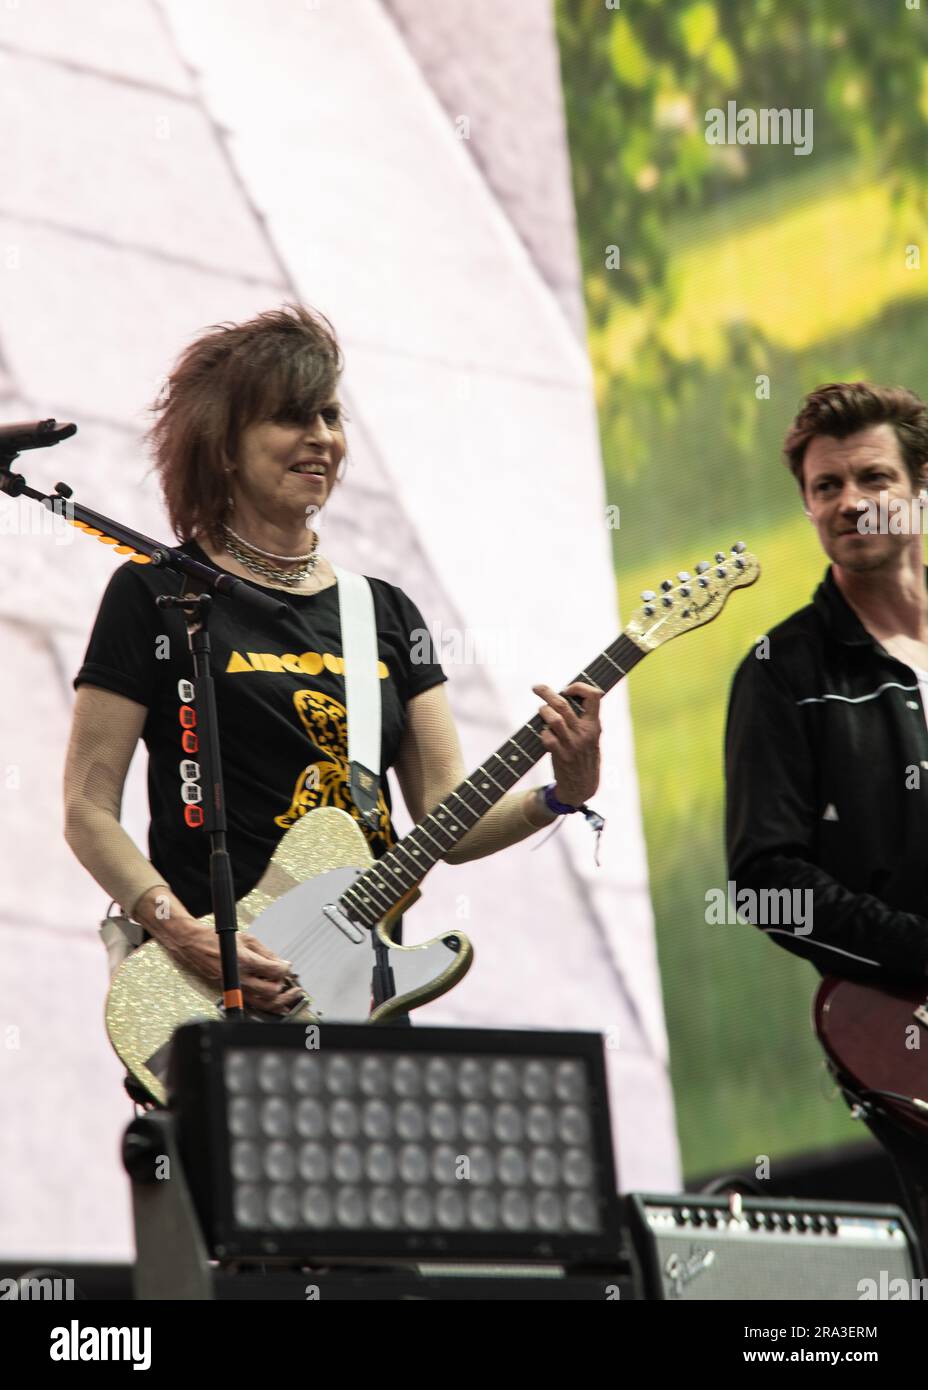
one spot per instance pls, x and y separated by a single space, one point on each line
362 690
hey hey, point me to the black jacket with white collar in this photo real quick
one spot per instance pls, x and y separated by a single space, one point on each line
826 759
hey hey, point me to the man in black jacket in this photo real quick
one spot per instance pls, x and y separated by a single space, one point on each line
826 745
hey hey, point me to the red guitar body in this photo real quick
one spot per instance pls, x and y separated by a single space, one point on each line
877 1040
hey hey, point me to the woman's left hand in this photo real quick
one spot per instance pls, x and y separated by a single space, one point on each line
572 740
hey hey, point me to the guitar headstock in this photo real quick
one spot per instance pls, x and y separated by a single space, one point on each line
691 600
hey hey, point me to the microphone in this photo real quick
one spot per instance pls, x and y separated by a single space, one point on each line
34 434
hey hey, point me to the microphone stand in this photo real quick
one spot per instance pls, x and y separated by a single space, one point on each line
196 611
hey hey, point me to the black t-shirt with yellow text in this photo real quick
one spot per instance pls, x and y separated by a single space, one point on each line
280 699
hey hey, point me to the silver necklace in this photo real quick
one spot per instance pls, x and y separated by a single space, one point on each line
269 555
247 555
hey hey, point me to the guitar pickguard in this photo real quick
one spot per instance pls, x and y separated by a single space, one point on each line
151 995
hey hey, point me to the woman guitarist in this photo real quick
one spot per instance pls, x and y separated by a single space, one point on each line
248 438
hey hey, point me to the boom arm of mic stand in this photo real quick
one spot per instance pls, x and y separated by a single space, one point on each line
110 532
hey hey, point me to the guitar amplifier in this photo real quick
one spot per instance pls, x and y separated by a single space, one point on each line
694 1247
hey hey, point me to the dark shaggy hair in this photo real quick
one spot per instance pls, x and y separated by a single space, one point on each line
282 365
844 407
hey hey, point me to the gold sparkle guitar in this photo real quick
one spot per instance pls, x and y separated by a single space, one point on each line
323 898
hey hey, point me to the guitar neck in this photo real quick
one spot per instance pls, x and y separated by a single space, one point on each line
397 873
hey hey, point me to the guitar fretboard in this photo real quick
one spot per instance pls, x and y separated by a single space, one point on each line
396 873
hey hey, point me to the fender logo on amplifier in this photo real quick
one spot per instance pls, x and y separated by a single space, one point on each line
682 1272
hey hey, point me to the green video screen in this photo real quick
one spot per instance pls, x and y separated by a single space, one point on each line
733 261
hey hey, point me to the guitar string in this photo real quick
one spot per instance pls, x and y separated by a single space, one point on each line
465 793
375 873
374 878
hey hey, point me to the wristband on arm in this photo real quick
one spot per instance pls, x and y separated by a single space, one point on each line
561 808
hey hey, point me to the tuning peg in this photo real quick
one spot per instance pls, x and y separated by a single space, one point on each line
719 557
683 576
702 566
648 595
738 547
666 584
